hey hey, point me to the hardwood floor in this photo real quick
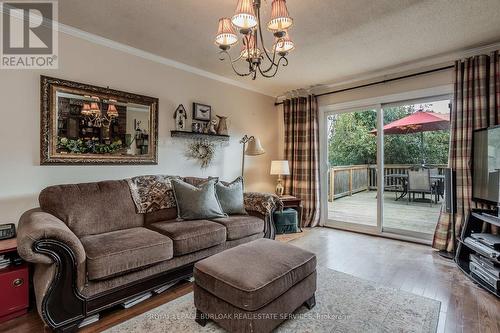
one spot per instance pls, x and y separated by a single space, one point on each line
407 266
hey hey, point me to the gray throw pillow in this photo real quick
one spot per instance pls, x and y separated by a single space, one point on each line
196 203
230 196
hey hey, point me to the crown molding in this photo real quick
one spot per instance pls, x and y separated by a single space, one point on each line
75 32
99 40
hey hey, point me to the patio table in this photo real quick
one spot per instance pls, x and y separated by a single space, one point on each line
404 178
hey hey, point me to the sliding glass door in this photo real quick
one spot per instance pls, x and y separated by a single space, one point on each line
386 164
416 140
352 168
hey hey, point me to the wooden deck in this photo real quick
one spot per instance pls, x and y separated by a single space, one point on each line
361 208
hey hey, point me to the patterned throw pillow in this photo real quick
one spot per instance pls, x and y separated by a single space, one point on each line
196 202
152 193
230 196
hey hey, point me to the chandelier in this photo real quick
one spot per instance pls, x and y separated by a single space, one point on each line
247 20
92 112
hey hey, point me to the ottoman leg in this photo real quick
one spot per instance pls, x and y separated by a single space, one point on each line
201 318
311 302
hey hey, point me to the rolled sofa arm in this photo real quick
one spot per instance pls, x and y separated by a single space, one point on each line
60 260
263 205
36 225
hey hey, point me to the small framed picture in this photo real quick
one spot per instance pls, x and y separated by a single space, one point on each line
202 112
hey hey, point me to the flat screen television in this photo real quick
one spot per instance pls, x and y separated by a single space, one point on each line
486 165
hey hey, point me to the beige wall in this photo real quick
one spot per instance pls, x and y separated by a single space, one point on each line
22 177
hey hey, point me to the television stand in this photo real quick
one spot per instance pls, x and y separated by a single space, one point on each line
478 221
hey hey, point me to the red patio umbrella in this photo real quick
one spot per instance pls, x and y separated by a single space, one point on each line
418 122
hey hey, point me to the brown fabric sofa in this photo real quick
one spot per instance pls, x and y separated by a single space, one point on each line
91 250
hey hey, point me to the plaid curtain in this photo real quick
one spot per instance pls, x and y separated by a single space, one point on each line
302 152
476 105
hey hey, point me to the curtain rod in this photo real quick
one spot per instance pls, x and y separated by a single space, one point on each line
383 81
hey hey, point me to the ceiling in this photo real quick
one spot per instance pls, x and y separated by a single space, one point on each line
336 39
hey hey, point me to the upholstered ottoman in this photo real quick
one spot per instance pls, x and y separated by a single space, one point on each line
255 286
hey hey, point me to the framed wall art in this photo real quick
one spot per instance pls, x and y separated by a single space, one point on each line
202 112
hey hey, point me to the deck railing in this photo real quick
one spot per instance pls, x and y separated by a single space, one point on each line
351 179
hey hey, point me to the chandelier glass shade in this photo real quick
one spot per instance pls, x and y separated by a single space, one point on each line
244 17
283 45
95 110
280 19
251 50
112 111
86 110
247 20
226 34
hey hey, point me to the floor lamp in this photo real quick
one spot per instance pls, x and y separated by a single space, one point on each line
251 147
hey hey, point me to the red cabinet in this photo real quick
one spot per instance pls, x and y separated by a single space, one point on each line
14 286
13 291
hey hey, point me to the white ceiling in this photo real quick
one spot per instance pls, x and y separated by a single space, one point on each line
336 39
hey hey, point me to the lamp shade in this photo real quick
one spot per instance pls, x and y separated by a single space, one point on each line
112 111
254 148
280 18
284 45
94 108
244 17
86 109
250 50
226 36
280 168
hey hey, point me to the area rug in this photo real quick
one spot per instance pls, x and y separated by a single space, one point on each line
344 303
285 238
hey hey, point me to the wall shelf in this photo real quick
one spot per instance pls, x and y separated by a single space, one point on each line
197 136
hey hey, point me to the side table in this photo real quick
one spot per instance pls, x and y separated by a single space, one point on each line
289 201
14 283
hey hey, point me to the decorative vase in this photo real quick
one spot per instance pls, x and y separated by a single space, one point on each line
222 127
211 127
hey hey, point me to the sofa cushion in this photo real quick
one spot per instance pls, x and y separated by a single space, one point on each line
191 236
92 208
230 196
275 267
161 215
197 202
117 252
239 226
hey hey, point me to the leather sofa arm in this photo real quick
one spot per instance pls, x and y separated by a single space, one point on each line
263 205
36 225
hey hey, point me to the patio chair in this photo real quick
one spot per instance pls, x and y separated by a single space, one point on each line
420 182
438 185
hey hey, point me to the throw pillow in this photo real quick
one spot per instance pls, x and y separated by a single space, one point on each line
196 202
230 196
